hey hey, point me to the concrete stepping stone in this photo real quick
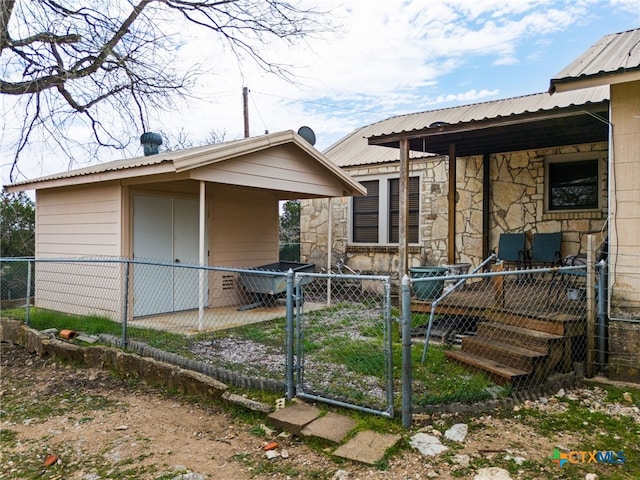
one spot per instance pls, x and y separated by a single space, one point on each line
293 418
332 427
367 447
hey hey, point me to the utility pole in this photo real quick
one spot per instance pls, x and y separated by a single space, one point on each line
245 110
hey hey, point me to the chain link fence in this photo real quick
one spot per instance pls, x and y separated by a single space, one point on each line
507 330
334 337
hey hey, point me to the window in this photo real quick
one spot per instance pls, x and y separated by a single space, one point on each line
365 214
394 209
375 217
573 185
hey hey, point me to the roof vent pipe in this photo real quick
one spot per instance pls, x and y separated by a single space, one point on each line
151 142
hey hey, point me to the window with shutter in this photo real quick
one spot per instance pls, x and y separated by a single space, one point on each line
394 209
374 218
366 214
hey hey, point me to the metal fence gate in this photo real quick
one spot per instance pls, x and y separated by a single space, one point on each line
344 341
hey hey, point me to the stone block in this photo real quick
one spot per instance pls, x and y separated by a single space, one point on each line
198 384
10 330
332 427
64 350
624 351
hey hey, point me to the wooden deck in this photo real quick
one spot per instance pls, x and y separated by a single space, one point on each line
519 331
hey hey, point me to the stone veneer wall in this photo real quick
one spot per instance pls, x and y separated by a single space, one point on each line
517 204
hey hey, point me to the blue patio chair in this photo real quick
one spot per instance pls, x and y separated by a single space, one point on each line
545 249
511 249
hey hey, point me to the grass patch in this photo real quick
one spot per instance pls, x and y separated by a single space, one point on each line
347 338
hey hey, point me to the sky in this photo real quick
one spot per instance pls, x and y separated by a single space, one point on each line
386 58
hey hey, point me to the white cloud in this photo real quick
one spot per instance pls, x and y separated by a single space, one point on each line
389 57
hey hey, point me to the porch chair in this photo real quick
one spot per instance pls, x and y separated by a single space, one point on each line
511 249
576 278
545 249
570 278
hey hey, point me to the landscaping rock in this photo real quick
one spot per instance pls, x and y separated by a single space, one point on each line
428 445
492 473
457 433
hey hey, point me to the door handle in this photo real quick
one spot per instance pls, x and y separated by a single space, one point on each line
177 260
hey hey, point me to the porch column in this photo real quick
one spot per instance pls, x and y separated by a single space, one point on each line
403 206
202 257
486 195
451 258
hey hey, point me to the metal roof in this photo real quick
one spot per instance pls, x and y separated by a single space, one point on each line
520 123
613 54
188 159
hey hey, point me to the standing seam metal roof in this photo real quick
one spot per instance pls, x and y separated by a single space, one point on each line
612 54
354 150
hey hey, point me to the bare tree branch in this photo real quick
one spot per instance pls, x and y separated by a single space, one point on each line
87 58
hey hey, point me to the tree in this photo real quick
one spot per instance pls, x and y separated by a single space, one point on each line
72 63
17 232
290 231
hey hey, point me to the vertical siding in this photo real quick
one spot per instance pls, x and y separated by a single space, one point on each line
625 231
243 232
79 222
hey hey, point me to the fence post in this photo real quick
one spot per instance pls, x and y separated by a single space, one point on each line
27 313
125 309
289 332
602 313
591 317
407 361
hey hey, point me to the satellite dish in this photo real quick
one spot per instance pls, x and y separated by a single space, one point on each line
307 134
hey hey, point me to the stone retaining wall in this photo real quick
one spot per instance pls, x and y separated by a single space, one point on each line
165 370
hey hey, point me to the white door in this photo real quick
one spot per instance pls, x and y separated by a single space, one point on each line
185 250
165 229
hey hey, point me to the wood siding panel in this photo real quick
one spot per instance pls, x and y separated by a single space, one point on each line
79 288
243 233
624 238
79 222
282 168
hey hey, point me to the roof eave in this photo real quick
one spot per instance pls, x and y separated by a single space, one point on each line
576 83
389 139
106 176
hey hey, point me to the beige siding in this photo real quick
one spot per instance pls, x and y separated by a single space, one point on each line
243 232
72 223
625 231
79 222
281 168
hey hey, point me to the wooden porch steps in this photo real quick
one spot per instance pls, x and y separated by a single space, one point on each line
510 354
503 353
498 372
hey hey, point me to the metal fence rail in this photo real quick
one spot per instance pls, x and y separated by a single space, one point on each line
334 337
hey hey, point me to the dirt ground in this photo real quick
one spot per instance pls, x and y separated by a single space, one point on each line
99 426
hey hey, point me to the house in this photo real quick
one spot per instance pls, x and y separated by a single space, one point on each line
614 62
214 205
475 171
566 160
